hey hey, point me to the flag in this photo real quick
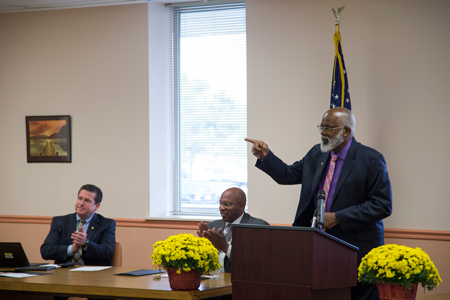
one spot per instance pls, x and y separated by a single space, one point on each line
340 94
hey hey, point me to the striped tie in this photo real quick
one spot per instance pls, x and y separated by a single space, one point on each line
77 255
228 236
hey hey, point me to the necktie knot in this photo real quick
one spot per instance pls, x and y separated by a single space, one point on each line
81 223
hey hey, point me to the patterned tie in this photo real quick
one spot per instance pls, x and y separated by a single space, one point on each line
227 230
77 255
326 186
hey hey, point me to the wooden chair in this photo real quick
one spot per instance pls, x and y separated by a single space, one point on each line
116 261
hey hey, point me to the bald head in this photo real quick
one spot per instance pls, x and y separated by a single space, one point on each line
236 194
232 204
343 117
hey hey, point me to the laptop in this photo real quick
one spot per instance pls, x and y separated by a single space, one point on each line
12 255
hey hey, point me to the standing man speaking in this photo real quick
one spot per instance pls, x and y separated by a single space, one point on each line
354 178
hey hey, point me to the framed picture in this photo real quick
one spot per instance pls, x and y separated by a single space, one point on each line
48 139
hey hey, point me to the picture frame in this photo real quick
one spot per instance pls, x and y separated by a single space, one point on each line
48 139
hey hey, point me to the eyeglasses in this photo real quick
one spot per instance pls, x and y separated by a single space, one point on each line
226 204
327 129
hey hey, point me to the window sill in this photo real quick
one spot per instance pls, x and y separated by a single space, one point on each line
193 218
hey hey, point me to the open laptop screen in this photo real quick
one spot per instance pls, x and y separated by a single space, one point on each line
12 255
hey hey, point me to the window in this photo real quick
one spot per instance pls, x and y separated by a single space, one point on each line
210 104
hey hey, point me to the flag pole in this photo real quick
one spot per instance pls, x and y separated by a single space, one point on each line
340 96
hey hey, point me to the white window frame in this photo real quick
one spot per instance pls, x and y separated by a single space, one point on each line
162 116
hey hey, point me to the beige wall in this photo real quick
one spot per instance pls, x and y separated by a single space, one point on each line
93 65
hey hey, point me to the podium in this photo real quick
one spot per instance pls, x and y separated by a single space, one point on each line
276 262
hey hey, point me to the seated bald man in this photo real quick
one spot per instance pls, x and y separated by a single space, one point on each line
232 206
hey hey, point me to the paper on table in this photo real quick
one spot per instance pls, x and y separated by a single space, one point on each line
17 275
90 268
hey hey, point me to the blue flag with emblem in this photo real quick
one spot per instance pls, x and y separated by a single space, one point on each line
340 94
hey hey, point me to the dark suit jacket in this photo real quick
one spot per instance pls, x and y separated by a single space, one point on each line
246 219
101 235
362 198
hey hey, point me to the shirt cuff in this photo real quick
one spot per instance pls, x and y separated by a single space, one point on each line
69 251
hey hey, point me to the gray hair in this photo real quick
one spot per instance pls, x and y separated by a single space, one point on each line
347 119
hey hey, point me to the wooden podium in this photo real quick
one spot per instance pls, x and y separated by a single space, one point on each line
274 262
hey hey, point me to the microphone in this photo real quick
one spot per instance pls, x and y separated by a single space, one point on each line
320 208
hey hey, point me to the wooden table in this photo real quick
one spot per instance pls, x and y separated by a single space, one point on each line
433 297
104 284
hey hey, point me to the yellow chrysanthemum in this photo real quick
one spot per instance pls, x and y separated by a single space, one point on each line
185 253
399 264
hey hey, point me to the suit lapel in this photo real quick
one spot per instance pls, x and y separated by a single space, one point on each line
93 225
245 218
71 226
347 167
322 163
222 225
319 172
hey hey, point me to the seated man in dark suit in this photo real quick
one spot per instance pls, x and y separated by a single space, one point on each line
83 237
232 205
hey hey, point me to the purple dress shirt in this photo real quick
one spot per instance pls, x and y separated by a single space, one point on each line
337 170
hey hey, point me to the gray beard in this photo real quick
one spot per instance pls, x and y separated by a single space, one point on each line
332 142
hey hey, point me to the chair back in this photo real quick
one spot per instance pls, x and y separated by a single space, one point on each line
116 260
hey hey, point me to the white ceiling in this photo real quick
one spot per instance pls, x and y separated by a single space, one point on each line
33 5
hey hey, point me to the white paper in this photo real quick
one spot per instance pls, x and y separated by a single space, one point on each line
90 269
17 275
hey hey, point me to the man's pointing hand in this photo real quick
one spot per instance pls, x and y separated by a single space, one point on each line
259 149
